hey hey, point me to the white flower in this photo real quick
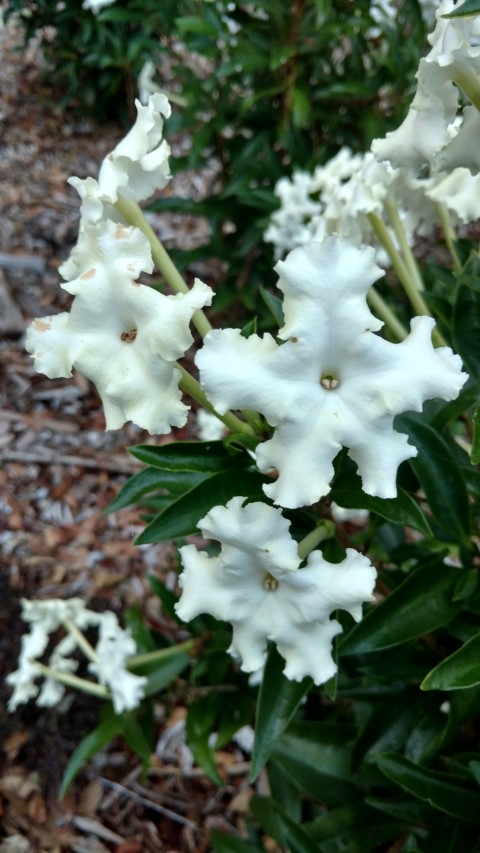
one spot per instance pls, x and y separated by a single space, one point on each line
209 428
22 680
332 383
96 6
341 514
122 335
135 169
256 584
114 647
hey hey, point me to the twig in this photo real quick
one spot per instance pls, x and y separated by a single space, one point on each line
126 792
57 459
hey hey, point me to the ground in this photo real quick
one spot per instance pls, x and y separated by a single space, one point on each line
59 472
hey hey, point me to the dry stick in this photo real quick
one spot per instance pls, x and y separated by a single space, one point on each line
126 792
42 459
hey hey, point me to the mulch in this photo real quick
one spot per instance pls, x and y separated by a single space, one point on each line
59 472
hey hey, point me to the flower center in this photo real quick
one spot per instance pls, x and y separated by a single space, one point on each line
270 583
128 337
329 382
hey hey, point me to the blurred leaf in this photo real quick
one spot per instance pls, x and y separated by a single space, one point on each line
89 746
201 722
133 734
223 843
420 604
274 304
182 516
351 829
278 700
151 479
475 454
205 456
466 329
278 826
460 670
318 760
444 791
164 672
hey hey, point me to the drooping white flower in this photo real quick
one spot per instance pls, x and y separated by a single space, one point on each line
113 649
122 335
136 168
332 383
256 584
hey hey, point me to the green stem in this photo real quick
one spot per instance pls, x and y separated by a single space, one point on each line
416 299
386 314
132 214
160 654
74 681
194 389
324 530
449 235
81 640
469 82
408 256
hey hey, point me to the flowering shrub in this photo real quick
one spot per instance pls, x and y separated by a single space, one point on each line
340 410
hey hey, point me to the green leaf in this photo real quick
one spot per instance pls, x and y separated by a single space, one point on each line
278 826
444 791
466 329
420 604
470 7
460 670
441 479
202 715
351 829
223 843
317 759
205 456
402 510
278 700
152 479
133 734
475 454
90 745
182 516
165 672
274 304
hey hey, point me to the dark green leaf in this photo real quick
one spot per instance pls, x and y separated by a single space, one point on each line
460 670
475 454
274 304
223 843
420 604
402 510
278 700
351 829
440 477
136 740
205 456
444 791
277 825
152 479
466 329
470 7
318 760
161 674
201 719
182 516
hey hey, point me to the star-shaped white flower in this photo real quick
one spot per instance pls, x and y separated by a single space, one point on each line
122 335
256 584
332 383
113 649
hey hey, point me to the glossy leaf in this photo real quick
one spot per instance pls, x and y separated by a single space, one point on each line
181 517
278 700
444 791
460 670
402 510
440 478
206 456
470 7
351 829
150 480
278 826
420 604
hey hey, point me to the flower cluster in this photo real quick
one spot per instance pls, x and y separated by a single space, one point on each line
108 660
328 381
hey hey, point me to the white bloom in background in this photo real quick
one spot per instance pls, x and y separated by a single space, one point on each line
209 428
341 514
256 584
96 6
122 335
332 383
113 649
136 168
145 82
